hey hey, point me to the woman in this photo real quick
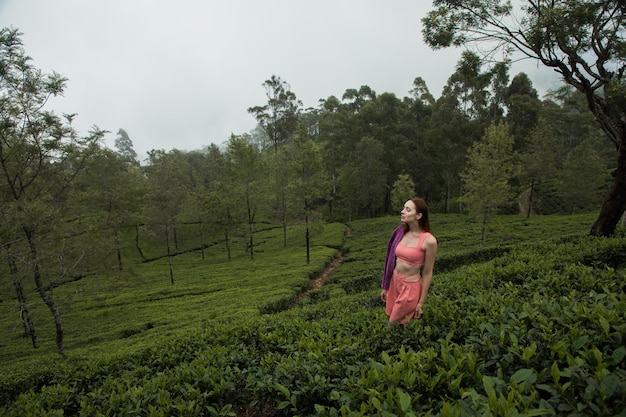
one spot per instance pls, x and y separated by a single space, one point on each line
409 263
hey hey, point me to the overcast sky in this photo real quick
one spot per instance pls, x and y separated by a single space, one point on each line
182 74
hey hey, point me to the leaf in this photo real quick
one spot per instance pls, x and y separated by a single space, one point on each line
524 375
283 390
605 325
404 400
610 384
580 342
555 372
529 352
618 355
489 388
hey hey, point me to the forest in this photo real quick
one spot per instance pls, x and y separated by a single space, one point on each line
487 147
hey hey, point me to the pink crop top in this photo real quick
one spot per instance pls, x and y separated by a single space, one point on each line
412 255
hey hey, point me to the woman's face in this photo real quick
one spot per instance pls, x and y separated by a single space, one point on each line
409 213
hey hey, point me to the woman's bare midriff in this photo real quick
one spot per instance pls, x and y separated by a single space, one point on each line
410 272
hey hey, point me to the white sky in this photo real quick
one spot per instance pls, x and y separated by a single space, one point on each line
182 74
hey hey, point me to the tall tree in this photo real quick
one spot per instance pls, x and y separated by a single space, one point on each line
247 176
329 139
487 176
583 174
582 40
448 137
539 163
279 117
309 187
363 180
167 174
110 192
523 106
219 202
125 148
470 86
403 189
40 157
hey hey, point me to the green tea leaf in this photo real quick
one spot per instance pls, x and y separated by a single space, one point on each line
555 372
605 325
524 375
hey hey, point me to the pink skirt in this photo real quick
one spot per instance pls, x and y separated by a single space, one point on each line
402 298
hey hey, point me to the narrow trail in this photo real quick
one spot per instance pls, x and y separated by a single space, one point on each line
318 282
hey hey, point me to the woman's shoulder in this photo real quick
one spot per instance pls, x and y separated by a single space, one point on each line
430 238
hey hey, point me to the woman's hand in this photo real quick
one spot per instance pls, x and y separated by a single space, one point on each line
383 295
419 311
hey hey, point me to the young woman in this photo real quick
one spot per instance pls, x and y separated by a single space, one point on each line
409 263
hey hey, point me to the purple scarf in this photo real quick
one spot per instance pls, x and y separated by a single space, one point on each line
390 257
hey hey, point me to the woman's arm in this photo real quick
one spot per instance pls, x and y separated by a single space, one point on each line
430 249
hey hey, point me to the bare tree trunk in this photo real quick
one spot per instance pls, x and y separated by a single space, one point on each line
169 253
530 198
27 321
227 229
308 241
615 203
483 231
137 242
202 239
46 295
227 242
120 265
284 217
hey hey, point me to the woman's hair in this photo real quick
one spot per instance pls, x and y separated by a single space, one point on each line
420 207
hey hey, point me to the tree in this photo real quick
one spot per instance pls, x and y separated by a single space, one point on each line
582 177
310 186
246 172
219 201
403 189
41 155
563 124
469 85
125 149
421 92
523 106
449 135
169 187
329 140
487 174
582 40
109 192
363 180
539 163
279 117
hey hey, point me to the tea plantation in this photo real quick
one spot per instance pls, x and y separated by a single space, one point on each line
530 324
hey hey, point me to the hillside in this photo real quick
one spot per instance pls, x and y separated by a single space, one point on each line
533 324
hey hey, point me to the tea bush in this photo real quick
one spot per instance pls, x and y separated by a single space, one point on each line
537 329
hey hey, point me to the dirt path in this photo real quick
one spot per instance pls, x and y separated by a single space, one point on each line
318 282
328 272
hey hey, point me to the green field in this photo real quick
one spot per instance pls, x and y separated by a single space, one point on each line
530 324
